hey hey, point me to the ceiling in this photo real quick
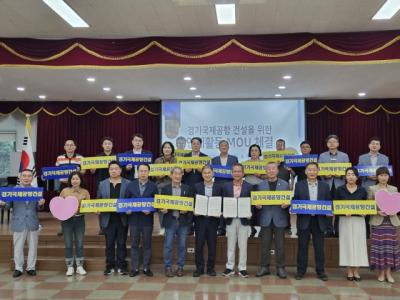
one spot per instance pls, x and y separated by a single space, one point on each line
139 18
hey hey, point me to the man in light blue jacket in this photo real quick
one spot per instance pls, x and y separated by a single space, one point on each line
372 158
25 226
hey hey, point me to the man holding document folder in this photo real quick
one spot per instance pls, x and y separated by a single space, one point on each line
206 220
237 212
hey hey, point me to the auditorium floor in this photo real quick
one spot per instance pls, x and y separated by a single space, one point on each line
54 285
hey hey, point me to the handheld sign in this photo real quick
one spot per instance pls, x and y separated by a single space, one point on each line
173 202
254 167
98 205
277 156
222 171
387 202
271 197
311 207
134 159
193 162
182 152
61 172
292 161
8 194
64 208
96 162
371 170
162 169
135 205
354 207
333 169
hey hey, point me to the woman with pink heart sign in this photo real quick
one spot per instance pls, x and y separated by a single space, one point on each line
385 248
74 227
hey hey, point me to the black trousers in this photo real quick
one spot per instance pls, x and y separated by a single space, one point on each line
205 230
116 233
140 232
318 243
269 233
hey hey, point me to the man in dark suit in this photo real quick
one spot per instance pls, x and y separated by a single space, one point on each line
176 223
141 223
316 225
193 176
237 229
223 159
114 225
101 174
206 227
137 143
273 221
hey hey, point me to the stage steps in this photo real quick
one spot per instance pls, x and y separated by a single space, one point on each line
51 252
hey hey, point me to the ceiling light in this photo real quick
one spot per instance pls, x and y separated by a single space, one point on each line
193 88
42 97
20 89
187 78
225 14
91 79
106 89
287 77
278 95
387 10
282 87
197 96
362 94
66 12
119 97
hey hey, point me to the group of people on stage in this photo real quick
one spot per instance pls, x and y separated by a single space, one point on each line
133 181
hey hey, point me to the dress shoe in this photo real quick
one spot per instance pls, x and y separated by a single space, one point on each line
221 232
108 272
323 277
281 273
17 274
134 273
168 272
263 271
179 272
197 273
31 272
211 273
123 272
298 276
228 272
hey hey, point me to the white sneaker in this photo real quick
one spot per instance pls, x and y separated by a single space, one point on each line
70 271
80 270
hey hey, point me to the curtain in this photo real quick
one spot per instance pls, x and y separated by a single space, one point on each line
355 122
243 49
88 130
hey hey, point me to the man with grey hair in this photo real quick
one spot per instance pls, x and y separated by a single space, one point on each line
25 227
176 223
273 221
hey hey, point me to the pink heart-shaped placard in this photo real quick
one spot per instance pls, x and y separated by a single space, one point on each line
64 208
387 202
